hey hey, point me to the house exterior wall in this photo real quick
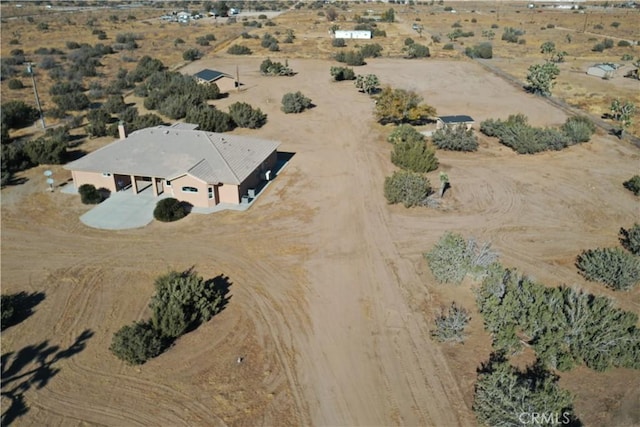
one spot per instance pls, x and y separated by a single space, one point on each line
94 178
440 124
253 180
229 193
346 34
199 199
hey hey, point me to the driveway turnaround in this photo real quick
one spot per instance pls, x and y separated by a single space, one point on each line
121 211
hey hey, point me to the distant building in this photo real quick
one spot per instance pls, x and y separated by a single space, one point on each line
224 81
604 71
443 121
352 34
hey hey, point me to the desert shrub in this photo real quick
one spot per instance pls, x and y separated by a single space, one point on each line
482 50
351 57
405 133
511 35
268 40
62 88
169 210
630 239
270 68
494 26
137 343
578 129
608 43
408 41
436 38
448 46
517 134
504 393
453 257
47 62
456 24
201 41
633 184
450 325
401 106
191 54
15 84
408 188
295 102
416 50
368 83
415 156
17 114
598 47
615 24
74 101
342 73
338 43
549 26
210 119
455 138
371 50
50 149
72 45
238 49
624 43
183 301
614 267
89 195
42 26
246 116
14 159
114 104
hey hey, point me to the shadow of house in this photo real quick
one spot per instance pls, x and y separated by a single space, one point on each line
32 367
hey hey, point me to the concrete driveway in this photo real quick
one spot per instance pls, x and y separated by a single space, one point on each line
122 210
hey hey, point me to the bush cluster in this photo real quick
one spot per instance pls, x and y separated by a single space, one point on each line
614 267
630 239
406 187
450 325
89 195
453 257
338 43
512 35
270 68
633 184
342 73
295 102
238 49
245 116
455 138
181 303
351 57
483 50
416 50
517 134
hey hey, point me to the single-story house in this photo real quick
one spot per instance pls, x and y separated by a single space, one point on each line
604 71
202 168
225 82
443 121
351 34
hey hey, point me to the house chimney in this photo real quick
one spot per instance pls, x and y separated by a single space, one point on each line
121 130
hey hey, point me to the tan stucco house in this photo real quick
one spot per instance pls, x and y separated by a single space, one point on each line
225 82
202 168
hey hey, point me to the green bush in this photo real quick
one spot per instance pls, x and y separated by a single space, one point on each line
578 129
483 50
450 325
270 68
295 102
630 239
210 119
371 50
15 84
338 43
624 43
511 35
448 46
137 343
183 301
238 49
89 195
18 114
246 116
408 188
416 50
453 257
351 57
191 54
415 156
455 138
614 267
342 73
633 184
516 133
169 210
405 133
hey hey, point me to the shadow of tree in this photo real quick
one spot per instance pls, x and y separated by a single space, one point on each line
19 375
17 307
220 285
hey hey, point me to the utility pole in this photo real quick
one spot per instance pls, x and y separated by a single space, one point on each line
237 79
35 91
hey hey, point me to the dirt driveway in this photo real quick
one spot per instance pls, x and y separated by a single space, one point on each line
331 304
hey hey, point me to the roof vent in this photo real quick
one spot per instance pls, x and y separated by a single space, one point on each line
166 132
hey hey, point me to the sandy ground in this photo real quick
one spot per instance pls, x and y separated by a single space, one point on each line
331 301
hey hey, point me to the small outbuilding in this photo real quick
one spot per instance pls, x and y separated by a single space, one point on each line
604 71
459 120
225 82
351 34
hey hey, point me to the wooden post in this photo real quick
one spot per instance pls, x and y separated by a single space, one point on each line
237 79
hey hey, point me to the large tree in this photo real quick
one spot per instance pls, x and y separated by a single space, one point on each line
402 106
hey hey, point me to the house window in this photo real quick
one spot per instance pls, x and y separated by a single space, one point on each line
105 174
189 190
211 192
168 183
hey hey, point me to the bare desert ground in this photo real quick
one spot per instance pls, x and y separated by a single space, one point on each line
331 302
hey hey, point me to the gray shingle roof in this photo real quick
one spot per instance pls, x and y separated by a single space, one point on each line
456 119
210 75
169 152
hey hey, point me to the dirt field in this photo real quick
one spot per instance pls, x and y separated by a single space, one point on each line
331 302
